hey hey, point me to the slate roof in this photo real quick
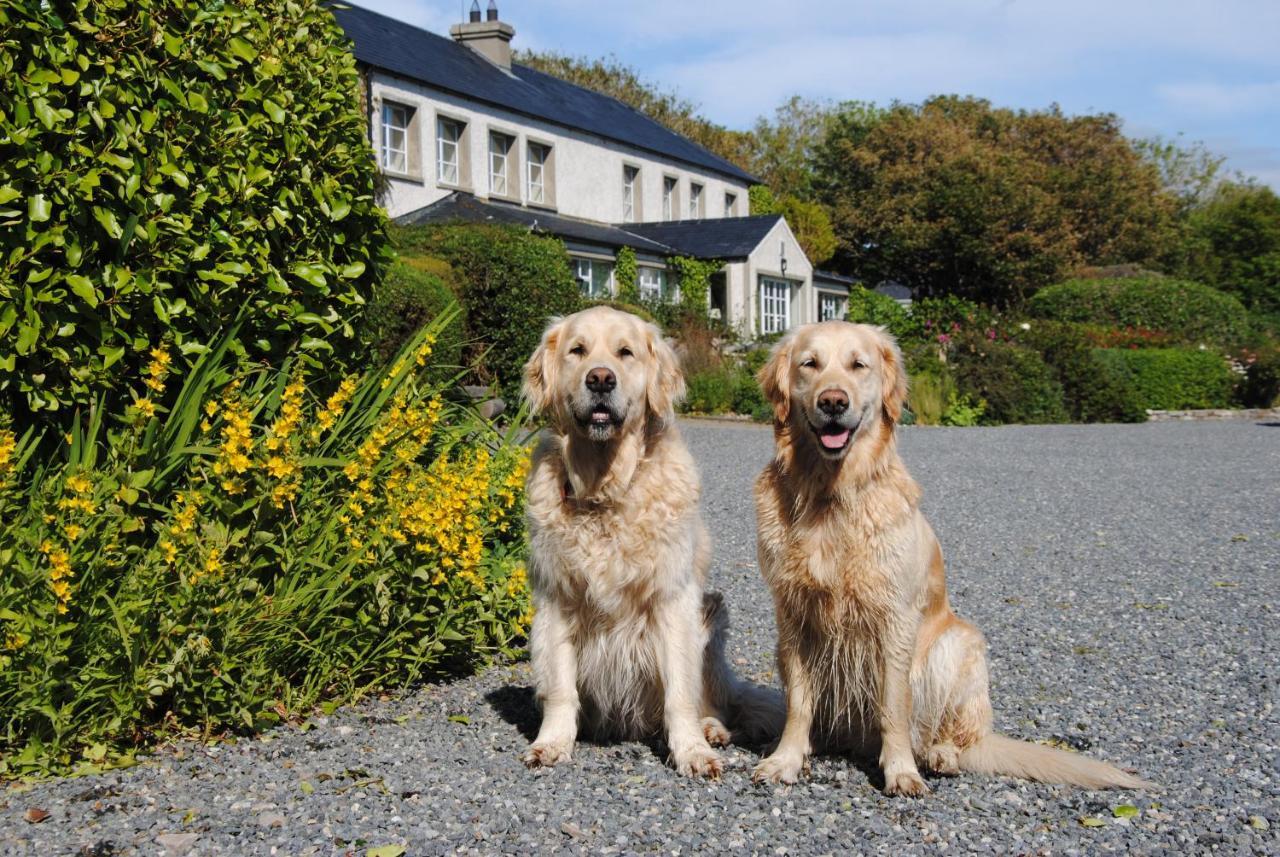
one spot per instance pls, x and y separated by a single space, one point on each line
833 277
465 207
444 64
715 238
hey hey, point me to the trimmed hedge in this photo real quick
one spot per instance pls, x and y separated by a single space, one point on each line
168 168
510 282
867 306
1014 382
1094 390
408 299
1190 311
1173 378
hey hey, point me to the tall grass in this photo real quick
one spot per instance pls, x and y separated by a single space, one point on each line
253 550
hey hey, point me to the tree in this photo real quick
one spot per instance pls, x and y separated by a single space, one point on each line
955 196
614 78
1235 244
808 220
782 148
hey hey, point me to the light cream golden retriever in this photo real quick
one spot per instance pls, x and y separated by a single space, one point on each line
871 656
624 640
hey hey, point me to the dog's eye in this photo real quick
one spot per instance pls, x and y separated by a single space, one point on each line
808 363
858 364
625 351
578 349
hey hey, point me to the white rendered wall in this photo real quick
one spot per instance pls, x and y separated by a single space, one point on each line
587 169
766 260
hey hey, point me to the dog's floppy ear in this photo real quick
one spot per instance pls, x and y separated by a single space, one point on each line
893 376
775 379
540 371
666 381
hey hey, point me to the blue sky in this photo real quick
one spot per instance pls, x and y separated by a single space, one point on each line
1209 72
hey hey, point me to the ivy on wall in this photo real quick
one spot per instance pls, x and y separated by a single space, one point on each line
625 275
695 281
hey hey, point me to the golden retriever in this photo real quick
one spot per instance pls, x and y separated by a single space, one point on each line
871 656
623 635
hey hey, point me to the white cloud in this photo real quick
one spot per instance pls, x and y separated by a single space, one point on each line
1223 99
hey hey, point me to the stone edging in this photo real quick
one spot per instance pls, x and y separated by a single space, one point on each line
1215 414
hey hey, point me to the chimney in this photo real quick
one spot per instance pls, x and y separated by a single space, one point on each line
490 38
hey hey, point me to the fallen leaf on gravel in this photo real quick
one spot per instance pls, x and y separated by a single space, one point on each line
460 718
385 851
306 787
1257 822
1225 584
1125 810
570 829
1092 821
35 815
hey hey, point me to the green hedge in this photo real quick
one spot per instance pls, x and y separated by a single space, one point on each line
1191 311
408 299
1014 382
1173 378
509 281
1094 390
167 168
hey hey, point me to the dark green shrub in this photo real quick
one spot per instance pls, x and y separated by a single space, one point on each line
1174 378
748 398
1094 390
710 391
509 281
1190 311
1261 385
944 317
406 300
867 306
165 169
1015 382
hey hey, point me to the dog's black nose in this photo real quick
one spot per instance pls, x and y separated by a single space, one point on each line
601 380
833 403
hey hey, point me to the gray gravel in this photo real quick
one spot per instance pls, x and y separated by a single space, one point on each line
1126 577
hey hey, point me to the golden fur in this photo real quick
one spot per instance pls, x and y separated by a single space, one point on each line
871 655
624 638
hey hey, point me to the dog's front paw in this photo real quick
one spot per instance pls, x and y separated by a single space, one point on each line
906 784
943 759
715 731
699 762
778 768
546 754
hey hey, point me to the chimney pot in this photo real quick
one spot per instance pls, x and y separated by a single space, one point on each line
491 14
474 17
491 39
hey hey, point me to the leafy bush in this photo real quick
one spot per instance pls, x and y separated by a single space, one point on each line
1190 311
1095 390
934 400
1261 387
748 398
694 277
247 554
710 391
1015 382
626 275
406 300
1174 378
510 282
167 168
867 306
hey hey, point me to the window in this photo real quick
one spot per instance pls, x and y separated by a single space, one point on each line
829 307
500 183
775 305
670 204
653 284
730 205
595 277
695 201
449 150
395 137
538 168
630 200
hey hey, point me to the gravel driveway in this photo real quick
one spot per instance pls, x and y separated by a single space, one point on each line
1127 578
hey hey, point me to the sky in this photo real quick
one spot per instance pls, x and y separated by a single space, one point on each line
1185 71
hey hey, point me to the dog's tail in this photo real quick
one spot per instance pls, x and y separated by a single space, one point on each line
999 754
758 712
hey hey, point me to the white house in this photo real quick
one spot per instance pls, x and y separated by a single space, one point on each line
463 133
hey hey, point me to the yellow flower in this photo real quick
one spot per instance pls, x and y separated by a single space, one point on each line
8 442
79 484
170 551
73 531
145 407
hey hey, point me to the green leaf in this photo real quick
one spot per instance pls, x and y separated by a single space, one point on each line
311 273
111 355
242 49
385 851
275 111
107 220
197 102
1092 821
350 272
460 718
1125 810
38 208
27 336
43 112
8 193
83 288
306 787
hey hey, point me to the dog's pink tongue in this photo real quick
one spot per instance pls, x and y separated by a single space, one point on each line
834 441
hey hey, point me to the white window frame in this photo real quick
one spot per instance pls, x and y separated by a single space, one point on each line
449 150
775 305
695 200
670 197
500 146
650 281
730 204
630 179
536 171
830 300
391 112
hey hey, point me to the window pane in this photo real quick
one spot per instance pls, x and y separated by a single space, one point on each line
601 274
537 172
